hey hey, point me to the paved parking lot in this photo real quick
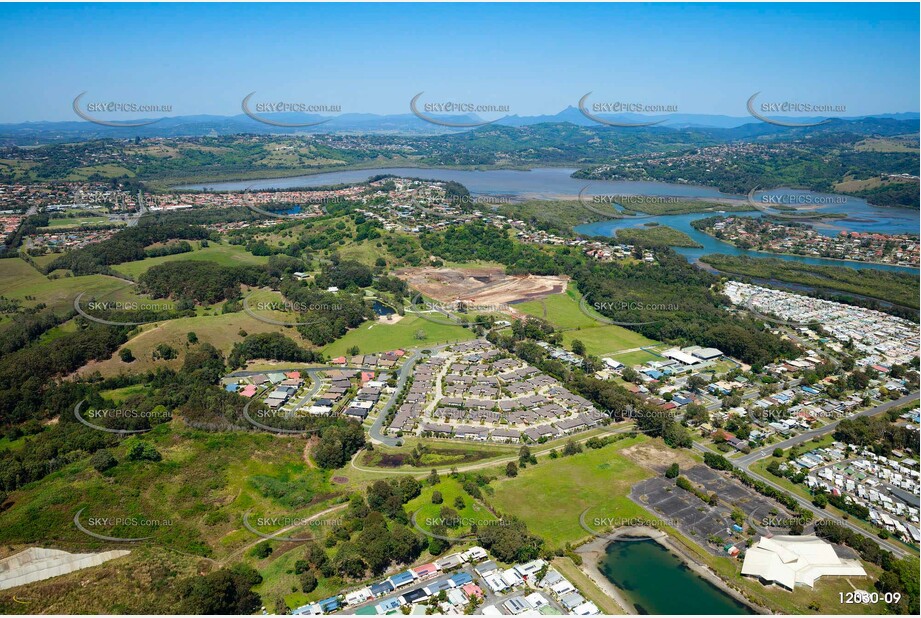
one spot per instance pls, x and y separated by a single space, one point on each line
699 520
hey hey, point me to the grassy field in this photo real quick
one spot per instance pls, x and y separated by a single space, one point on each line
192 501
118 395
607 339
15 273
561 310
44 260
108 170
882 144
426 513
381 337
225 255
564 312
552 495
631 359
18 279
221 331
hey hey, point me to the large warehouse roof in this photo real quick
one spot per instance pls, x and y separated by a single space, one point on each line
791 560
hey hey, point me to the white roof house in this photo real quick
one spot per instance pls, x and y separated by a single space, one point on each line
791 560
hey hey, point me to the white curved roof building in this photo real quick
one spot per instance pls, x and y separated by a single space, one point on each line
791 560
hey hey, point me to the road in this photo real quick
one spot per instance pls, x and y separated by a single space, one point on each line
142 210
489 463
746 462
376 431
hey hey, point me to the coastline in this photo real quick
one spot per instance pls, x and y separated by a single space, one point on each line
593 551
844 261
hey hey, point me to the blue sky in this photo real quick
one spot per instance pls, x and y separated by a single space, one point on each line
537 58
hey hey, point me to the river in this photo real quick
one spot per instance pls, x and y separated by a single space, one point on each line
658 582
557 183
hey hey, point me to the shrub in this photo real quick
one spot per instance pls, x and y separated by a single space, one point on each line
308 582
262 550
143 451
103 460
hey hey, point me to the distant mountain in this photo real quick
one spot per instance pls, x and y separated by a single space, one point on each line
398 124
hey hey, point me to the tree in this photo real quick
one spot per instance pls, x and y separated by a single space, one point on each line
511 470
459 503
126 355
437 498
578 347
449 517
308 582
143 451
353 351
192 337
165 352
525 456
103 460
226 591
778 452
262 550
438 545
572 447
696 382
672 471
434 479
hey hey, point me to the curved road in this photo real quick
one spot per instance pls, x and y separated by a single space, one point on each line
376 430
746 462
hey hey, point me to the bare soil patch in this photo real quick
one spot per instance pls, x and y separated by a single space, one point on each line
655 455
481 285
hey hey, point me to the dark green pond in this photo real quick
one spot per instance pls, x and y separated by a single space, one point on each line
657 582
